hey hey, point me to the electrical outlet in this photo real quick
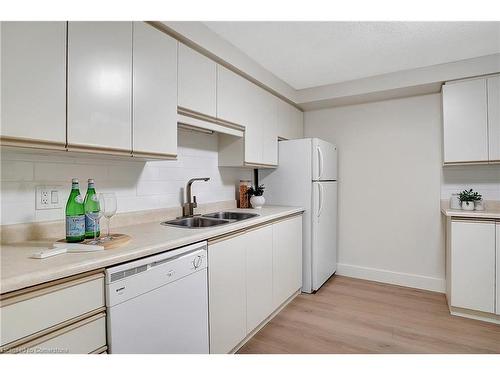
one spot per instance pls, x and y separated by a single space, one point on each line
48 197
44 197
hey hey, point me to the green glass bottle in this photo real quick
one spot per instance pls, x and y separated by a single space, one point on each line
75 214
91 204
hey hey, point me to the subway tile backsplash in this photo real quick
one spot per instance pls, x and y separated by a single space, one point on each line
138 185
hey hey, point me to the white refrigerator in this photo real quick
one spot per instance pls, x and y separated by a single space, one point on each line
307 177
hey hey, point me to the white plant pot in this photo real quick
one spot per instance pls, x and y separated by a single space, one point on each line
468 206
257 201
479 205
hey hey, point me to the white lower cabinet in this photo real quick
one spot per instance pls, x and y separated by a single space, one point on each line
498 268
250 276
259 275
472 257
67 316
227 293
83 337
287 259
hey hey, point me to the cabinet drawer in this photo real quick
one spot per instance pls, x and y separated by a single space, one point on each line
83 337
36 310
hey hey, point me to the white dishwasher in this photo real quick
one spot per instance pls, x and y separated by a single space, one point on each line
159 304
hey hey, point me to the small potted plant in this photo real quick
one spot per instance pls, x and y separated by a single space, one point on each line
256 196
468 198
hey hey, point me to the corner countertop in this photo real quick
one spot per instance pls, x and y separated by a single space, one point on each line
492 211
19 271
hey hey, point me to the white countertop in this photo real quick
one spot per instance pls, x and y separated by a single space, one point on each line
19 271
492 211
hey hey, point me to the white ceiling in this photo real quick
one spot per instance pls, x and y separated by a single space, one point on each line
309 54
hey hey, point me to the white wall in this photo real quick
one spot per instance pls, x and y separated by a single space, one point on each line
482 178
390 226
138 185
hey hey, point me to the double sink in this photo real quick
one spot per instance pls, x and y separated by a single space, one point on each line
209 220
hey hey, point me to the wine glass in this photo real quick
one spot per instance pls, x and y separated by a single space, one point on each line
94 213
107 202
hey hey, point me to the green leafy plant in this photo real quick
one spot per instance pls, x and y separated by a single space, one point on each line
469 196
257 191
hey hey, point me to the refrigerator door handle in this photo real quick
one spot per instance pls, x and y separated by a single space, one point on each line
320 205
320 162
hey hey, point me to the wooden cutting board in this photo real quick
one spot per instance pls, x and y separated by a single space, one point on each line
117 241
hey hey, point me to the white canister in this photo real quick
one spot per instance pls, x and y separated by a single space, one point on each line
455 202
468 205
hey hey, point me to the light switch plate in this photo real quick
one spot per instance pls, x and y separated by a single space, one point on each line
48 197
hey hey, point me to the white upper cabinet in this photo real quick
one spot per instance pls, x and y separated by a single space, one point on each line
241 102
197 82
233 97
269 121
290 121
473 265
33 81
465 121
493 84
254 127
100 86
155 92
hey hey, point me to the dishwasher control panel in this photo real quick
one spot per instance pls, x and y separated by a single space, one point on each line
135 278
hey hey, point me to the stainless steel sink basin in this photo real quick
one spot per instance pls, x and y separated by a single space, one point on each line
231 215
195 222
209 220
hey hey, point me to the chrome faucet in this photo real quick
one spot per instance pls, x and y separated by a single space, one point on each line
191 204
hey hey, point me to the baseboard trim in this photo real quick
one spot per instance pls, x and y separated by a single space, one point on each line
391 277
477 315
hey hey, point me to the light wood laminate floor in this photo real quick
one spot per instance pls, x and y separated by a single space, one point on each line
356 316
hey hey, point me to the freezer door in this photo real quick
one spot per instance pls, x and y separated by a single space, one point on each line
324 236
324 160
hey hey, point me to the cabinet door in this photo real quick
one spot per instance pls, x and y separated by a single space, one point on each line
197 81
297 123
239 101
155 91
473 265
287 259
254 126
227 294
100 85
268 118
498 269
494 118
233 94
465 121
290 121
33 76
259 275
